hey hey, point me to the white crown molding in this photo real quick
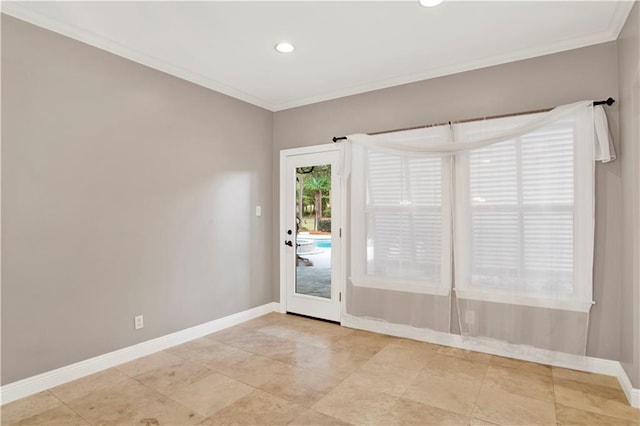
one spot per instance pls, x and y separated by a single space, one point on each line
564 45
16 10
31 385
619 17
494 347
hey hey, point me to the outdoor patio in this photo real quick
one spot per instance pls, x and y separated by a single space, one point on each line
315 279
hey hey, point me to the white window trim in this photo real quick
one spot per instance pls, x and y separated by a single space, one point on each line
530 299
400 285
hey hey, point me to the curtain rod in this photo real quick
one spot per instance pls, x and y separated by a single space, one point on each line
608 102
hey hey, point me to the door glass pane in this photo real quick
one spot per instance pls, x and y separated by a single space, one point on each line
313 217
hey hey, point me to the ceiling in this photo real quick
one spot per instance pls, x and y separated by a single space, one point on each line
342 48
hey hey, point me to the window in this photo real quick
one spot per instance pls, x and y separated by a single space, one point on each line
403 216
401 228
518 221
523 209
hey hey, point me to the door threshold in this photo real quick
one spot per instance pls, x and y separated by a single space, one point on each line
313 318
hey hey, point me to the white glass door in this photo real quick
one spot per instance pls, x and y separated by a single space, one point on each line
310 234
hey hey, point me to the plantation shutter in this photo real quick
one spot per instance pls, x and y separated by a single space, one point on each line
401 222
522 212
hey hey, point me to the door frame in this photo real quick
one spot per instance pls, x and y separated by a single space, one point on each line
282 231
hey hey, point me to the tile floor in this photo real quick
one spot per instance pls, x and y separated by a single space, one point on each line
283 369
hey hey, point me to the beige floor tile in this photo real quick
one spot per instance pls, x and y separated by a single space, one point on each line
302 386
169 378
292 320
266 319
383 378
210 394
455 368
232 334
416 344
339 365
257 408
356 404
59 416
597 399
290 325
319 339
478 422
521 365
364 343
455 394
262 343
196 350
284 329
294 353
327 328
148 363
336 361
407 412
322 334
403 356
313 418
573 416
520 382
225 357
27 407
500 407
257 370
80 387
583 376
130 402
465 354
210 353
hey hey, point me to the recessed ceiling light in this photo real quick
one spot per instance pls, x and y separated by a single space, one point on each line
284 47
430 3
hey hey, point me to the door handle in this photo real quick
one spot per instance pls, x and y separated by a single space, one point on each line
288 243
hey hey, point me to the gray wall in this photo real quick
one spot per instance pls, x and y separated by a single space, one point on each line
125 191
629 77
588 73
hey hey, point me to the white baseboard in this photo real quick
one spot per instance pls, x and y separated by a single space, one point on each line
632 394
59 376
494 347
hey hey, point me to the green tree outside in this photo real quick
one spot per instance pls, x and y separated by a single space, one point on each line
315 188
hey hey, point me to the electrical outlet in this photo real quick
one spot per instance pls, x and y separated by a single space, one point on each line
258 210
139 322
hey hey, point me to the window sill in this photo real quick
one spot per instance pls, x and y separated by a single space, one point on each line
522 300
400 285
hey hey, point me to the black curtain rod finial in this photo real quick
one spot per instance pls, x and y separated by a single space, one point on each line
608 102
341 138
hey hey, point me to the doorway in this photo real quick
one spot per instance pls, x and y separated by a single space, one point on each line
310 232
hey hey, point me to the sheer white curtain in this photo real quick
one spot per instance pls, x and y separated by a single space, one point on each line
524 233
516 193
401 233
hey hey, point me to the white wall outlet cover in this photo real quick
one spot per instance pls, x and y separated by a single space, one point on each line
258 210
139 322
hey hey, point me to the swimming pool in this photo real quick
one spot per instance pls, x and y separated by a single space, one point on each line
323 243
